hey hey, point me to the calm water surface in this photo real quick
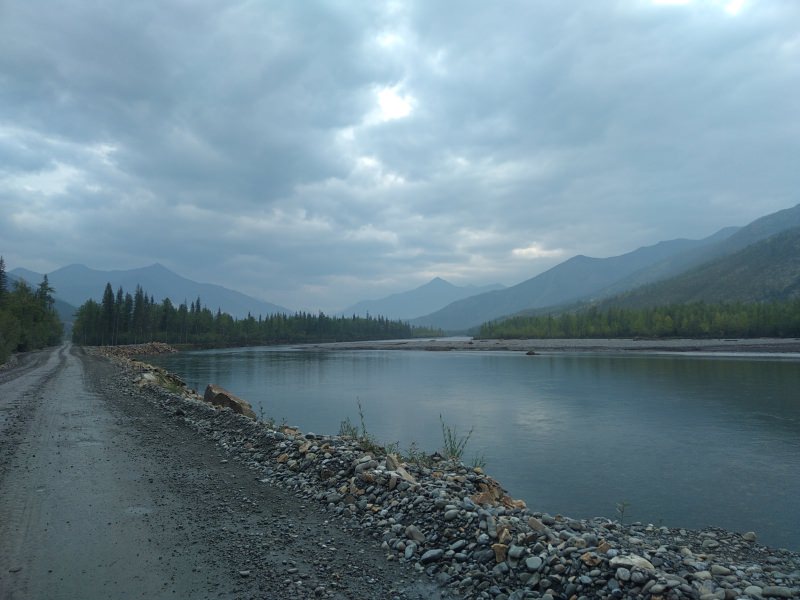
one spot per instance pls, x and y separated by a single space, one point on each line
688 441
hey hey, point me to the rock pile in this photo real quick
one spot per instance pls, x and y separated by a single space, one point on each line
457 524
133 350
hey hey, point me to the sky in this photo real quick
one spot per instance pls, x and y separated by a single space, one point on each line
314 154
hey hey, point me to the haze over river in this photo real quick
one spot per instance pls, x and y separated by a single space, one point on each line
686 440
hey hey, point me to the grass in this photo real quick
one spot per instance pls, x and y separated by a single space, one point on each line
622 508
454 444
365 438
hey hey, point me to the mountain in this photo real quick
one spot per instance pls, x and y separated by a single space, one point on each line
577 278
425 299
66 311
77 283
767 270
758 230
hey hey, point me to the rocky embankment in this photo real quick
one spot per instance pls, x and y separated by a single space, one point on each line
457 524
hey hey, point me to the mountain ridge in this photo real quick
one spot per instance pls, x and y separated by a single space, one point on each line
76 283
426 298
575 280
764 271
577 277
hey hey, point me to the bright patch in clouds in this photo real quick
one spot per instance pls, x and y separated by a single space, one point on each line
536 251
732 7
392 105
48 183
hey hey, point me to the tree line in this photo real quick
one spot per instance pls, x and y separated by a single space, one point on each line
122 318
695 320
27 318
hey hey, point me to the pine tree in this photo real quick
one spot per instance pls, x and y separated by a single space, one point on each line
3 281
45 294
108 314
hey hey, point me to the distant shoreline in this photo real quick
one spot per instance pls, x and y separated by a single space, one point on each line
767 346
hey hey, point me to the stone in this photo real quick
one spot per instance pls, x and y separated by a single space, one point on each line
750 536
719 570
409 551
219 396
702 575
392 462
753 591
623 574
631 560
536 524
431 556
591 559
451 515
413 532
533 563
776 591
500 552
491 527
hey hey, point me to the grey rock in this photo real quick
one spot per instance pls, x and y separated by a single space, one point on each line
753 591
720 570
533 563
623 574
413 532
776 591
431 556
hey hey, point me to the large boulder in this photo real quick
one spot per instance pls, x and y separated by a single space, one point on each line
219 396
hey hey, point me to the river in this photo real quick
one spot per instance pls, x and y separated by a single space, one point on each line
681 440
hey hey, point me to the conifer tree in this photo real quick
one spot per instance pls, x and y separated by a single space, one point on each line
45 294
3 281
108 314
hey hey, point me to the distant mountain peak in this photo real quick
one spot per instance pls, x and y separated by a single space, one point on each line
438 282
424 299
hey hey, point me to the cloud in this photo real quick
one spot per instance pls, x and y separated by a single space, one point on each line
314 154
536 251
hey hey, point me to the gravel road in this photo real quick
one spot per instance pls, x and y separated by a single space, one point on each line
103 497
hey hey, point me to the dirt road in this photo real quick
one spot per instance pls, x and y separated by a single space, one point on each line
102 497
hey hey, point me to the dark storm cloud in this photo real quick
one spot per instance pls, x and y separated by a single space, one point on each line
317 153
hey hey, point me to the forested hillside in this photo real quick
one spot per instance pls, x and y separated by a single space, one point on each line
696 320
122 318
754 292
27 318
768 270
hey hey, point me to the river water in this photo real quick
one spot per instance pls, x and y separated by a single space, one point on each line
683 440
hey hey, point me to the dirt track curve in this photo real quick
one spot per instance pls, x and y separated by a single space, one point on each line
102 497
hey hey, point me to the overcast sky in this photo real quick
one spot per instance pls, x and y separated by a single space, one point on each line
318 153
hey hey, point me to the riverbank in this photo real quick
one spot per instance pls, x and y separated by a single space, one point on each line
457 525
736 346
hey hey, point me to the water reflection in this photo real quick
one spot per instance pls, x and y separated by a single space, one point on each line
688 441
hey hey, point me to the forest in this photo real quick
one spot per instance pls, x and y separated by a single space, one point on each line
122 318
695 320
27 318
